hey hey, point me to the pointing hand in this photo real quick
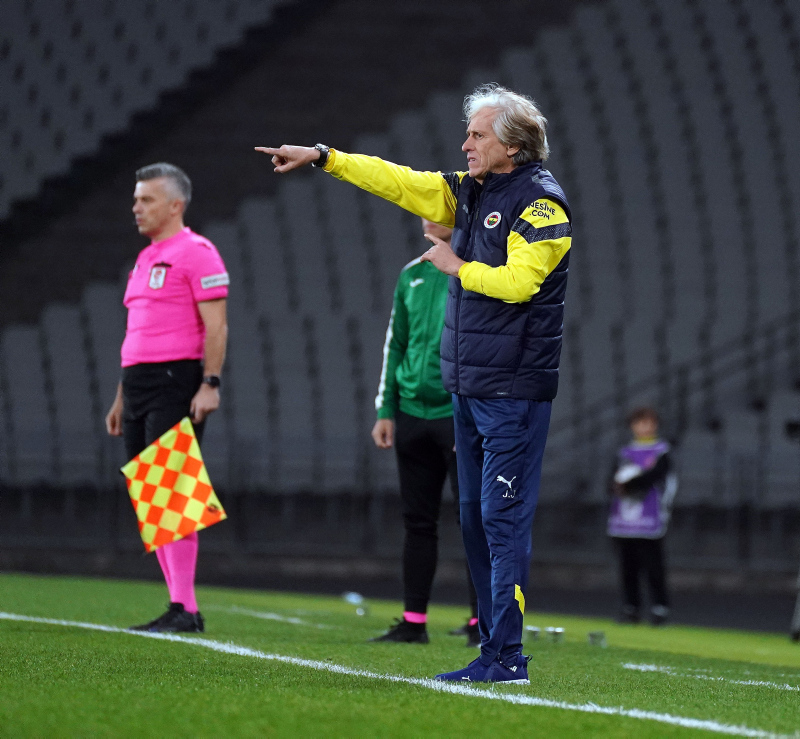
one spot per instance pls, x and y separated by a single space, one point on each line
287 158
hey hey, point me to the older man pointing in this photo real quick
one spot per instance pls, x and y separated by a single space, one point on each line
502 337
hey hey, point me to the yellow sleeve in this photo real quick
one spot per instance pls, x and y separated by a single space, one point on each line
539 239
430 195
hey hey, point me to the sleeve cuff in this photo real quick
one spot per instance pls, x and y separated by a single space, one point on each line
470 275
331 161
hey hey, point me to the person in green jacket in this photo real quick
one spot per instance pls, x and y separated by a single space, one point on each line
415 416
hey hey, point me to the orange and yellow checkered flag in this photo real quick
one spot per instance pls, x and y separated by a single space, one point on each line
170 489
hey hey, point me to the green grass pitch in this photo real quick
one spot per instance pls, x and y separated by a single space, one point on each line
247 675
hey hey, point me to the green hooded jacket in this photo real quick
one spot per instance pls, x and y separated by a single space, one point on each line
411 378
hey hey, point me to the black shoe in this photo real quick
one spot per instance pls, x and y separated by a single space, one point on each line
658 615
460 631
796 636
405 631
473 635
629 615
177 618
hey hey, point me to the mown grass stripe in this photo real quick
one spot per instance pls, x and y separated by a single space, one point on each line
672 672
266 616
441 687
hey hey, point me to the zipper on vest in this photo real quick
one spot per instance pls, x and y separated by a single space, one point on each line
467 255
455 331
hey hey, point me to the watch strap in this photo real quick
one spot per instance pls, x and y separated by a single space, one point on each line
324 151
212 381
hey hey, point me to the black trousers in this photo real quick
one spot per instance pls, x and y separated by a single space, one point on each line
425 458
155 397
639 557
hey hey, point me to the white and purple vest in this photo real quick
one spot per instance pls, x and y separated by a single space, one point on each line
643 516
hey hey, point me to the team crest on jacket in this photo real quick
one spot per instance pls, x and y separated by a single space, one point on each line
492 219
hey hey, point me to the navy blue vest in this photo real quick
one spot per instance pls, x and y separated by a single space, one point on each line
493 349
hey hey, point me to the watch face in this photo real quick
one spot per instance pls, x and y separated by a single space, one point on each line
323 155
212 381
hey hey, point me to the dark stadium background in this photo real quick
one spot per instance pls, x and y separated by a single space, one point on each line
674 126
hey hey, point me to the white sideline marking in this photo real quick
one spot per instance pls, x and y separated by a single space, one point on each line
266 616
440 687
674 673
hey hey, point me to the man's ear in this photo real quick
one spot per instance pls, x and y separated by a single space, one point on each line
511 151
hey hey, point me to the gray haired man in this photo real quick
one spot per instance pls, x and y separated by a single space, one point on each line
501 342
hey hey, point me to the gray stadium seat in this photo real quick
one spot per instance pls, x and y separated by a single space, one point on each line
413 143
743 455
697 459
338 412
382 462
448 130
29 403
5 439
299 207
300 451
105 319
76 406
358 271
272 282
783 457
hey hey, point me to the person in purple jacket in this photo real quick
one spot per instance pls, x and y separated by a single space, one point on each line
642 489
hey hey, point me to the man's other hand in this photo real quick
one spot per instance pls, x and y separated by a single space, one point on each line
114 416
383 433
288 157
114 420
205 400
441 256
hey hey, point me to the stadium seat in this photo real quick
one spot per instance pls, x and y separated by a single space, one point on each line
5 438
77 409
29 402
274 286
105 320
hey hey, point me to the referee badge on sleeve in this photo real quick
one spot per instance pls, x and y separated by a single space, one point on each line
158 275
220 280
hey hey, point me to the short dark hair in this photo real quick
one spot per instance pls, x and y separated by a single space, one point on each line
163 169
643 413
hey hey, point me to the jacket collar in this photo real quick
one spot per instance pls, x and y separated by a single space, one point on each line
494 181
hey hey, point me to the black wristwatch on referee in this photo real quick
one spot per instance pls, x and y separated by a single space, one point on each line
212 381
324 151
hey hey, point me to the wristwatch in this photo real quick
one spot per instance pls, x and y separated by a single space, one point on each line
212 381
324 151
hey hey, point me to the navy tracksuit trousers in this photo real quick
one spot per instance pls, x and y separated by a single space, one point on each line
500 444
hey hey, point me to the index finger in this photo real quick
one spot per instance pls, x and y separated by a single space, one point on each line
266 150
431 238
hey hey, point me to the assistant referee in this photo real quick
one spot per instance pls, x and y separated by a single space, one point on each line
173 352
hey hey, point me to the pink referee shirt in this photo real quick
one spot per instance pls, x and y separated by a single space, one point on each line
170 278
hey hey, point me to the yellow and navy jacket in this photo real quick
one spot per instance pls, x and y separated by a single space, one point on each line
504 316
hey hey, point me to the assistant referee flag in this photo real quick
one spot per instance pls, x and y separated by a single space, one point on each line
170 488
